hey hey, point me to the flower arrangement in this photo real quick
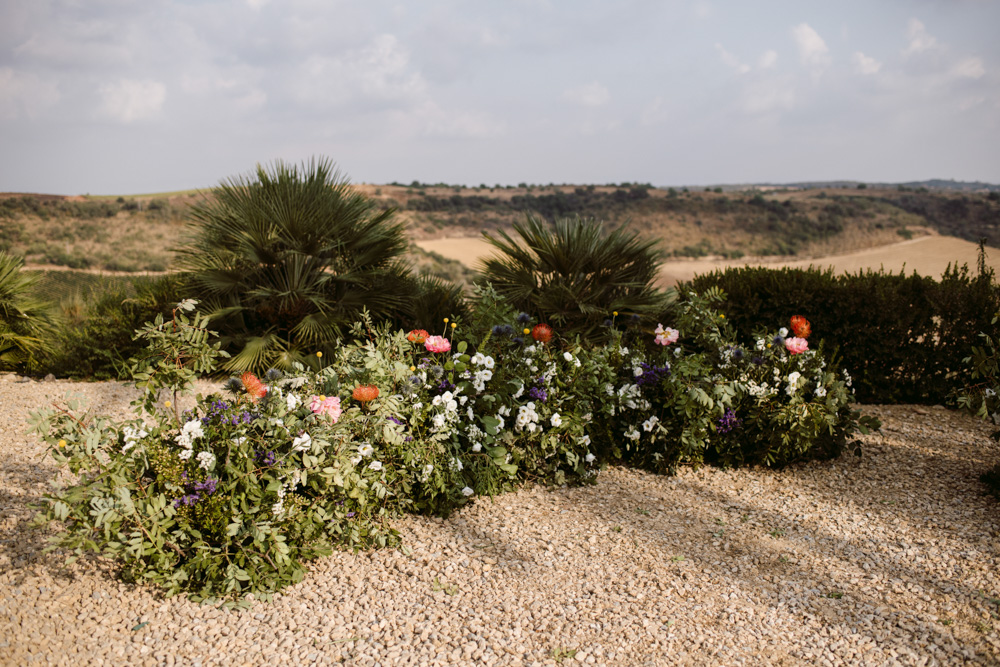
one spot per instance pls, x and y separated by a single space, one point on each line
235 495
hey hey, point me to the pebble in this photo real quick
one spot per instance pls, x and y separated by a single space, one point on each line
890 558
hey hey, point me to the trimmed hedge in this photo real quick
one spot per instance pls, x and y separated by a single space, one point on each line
903 338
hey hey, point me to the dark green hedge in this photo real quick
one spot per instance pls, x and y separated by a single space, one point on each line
902 337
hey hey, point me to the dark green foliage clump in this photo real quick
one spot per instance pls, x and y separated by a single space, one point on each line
97 332
286 258
26 322
903 338
575 274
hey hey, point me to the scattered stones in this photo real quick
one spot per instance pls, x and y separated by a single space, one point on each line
891 558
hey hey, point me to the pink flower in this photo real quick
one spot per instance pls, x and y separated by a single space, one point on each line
437 344
796 345
321 405
666 336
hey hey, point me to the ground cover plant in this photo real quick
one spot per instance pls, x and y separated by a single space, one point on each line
236 495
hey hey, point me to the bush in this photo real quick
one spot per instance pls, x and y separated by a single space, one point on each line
287 258
97 334
576 274
26 322
903 338
234 496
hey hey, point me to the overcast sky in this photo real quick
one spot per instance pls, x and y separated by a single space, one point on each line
127 97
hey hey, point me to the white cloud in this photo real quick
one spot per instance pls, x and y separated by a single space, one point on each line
812 48
729 60
653 113
591 94
767 59
24 94
767 96
865 64
920 40
970 68
379 73
128 100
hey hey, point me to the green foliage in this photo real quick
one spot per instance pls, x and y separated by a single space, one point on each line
286 259
235 496
96 336
27 325
574 274
903 338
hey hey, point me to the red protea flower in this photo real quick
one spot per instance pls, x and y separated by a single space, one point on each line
801 326
254 387
364 393
417 336
542 333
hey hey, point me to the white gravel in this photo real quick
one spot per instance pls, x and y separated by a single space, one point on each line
890 558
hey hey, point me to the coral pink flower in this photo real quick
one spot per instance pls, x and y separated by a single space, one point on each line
417 336
666 336
364 393
542 333
437 344
796 345
323 405
801 326
254 387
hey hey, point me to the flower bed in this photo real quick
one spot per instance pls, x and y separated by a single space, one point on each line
234 496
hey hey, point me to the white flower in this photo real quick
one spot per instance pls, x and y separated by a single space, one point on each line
456 464
470 414
205 460
375 465
467 492
425 475
489 363
302 443
355 460
760 344
185 454
476 447
567 356
624 351
240 440
650 423
438 421
530 349
501 420
632 433
636 371
278 509
677 351
820 391
366 450
783 332
589 458
187 305
132 436
556 420
478 358
292 401
584 440
520 390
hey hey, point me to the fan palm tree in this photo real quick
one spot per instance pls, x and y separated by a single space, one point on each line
575 274
286 258
27 326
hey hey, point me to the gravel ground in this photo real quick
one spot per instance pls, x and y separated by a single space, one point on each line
890 558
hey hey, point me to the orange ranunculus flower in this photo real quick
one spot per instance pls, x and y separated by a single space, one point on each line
255 388
542 333
801 326
364 393
417 336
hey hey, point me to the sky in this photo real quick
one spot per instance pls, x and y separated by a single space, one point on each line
142 96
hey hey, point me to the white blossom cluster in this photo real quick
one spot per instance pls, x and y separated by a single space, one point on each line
205 460
132 436
793 383
527 418
190 432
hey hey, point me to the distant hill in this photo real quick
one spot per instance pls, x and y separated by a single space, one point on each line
931 184
139 233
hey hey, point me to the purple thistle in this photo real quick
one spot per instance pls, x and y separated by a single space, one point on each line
652 375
